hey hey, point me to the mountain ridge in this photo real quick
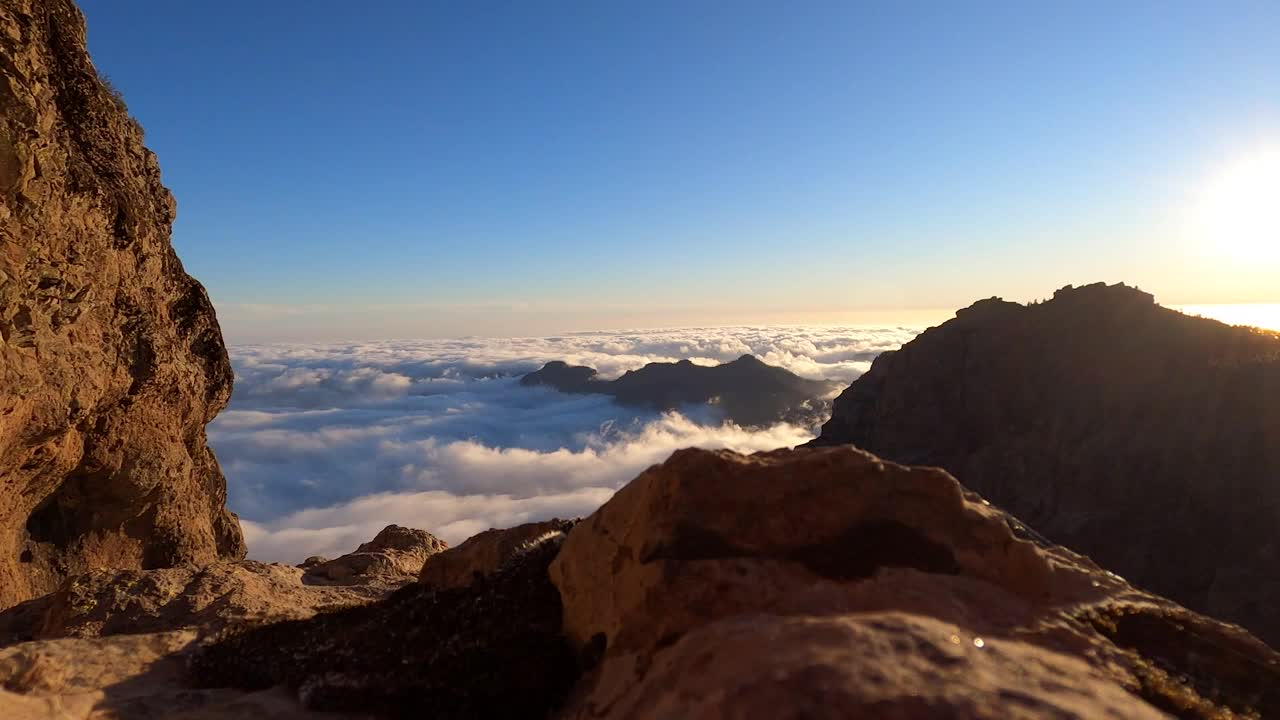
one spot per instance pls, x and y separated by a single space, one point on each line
1128 431
748 391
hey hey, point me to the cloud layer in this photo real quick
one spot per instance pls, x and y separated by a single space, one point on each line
323 445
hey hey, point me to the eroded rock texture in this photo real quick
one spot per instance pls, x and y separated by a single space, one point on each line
111 360
1144 438
826 583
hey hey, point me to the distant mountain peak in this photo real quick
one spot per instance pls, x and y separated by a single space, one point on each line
747 390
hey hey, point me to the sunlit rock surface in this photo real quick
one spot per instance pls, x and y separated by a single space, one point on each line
111 360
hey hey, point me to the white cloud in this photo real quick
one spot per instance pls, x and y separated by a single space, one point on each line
323 445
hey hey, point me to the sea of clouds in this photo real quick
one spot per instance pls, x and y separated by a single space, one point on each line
325 444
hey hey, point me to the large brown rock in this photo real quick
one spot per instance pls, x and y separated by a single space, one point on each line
829 583
111 360
1144 438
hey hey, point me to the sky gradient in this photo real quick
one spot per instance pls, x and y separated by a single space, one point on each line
401 169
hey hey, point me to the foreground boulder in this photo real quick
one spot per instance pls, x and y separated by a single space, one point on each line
111 360
829 583
1144 438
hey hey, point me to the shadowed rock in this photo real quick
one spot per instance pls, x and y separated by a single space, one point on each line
1145 438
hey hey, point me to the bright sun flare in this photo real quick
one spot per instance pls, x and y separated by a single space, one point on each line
1240 209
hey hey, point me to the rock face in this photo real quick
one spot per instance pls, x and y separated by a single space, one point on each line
747 391
828 583
483 554
111 360
1144 438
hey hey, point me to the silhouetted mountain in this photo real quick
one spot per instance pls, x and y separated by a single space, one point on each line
1143 437
748 391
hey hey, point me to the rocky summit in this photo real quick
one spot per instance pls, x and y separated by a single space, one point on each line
1140 436
111 360
746 391
823 582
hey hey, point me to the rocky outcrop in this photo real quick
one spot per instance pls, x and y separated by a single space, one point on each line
111 360
828 583
483 554
1144 438
746 391
396 555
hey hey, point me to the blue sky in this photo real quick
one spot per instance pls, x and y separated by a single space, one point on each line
399 168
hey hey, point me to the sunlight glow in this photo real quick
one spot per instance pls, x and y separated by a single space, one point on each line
1266 316
1240 209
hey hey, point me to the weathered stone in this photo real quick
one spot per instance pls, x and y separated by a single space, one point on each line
111 360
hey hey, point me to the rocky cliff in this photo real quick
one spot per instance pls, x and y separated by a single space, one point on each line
1145 438
111 360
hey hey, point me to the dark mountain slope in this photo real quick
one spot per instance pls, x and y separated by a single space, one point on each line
1146 438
